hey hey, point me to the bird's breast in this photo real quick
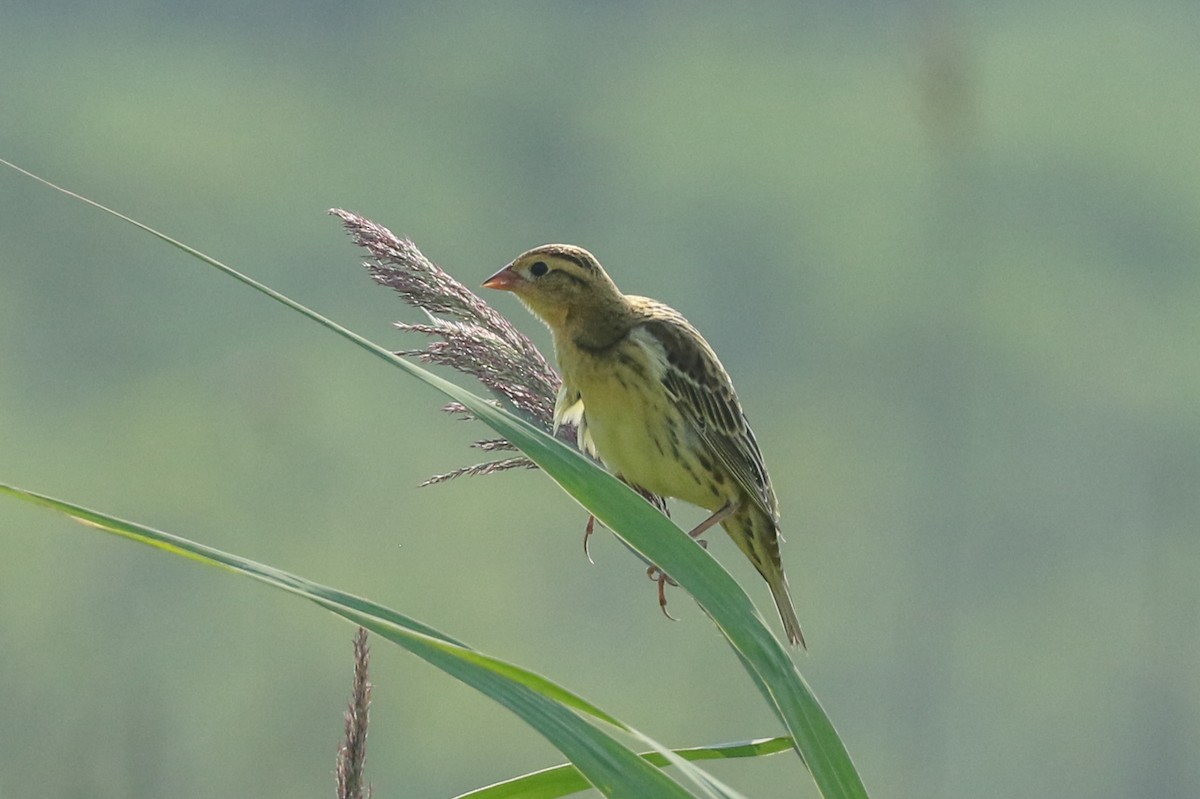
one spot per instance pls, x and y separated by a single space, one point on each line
638 430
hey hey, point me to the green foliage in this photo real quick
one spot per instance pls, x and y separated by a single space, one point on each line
547 708
947 251
564 780
607 765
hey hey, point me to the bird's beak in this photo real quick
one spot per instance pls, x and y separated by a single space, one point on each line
507 279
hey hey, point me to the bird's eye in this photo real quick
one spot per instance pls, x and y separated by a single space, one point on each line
538 268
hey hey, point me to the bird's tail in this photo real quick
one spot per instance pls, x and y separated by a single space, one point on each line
756 535
787 611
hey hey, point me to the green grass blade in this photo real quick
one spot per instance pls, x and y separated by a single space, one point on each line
645 530
549 708
564 780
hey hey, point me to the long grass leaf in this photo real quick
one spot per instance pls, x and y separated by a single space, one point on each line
564 780
642 528
549 708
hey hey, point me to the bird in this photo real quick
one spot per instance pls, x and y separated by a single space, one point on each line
650 398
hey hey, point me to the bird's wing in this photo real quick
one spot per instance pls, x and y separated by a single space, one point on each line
704 393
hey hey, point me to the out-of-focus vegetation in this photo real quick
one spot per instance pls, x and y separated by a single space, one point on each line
948 254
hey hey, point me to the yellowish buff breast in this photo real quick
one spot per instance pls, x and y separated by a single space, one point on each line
637 430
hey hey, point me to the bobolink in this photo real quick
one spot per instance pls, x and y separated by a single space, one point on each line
651 399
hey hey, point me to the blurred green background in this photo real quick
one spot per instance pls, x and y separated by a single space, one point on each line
948 252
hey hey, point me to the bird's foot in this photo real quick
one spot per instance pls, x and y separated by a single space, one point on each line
587 534
663 579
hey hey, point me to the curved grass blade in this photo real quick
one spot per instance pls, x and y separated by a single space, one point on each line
642 528
564 780
552 710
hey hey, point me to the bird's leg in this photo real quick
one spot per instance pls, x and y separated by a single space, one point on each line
719 515
662 578
587 533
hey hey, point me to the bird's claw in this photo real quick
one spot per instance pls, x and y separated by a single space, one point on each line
663 579
587 534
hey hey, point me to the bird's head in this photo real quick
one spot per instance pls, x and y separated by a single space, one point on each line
564 285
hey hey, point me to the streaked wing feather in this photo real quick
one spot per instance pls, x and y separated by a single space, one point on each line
705 394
